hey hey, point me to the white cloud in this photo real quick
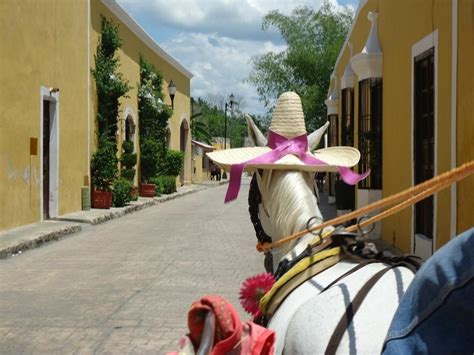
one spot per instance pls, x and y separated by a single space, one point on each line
230 18
219 64
215 39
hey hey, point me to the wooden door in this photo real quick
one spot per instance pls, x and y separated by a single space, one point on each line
424 138
46 157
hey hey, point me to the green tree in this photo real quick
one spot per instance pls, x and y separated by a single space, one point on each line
199 128
154 116
313 40
237 131
110 83
208 120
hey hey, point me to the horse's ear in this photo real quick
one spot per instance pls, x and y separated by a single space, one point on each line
257 139
315 137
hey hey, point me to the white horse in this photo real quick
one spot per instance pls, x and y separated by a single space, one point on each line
307 318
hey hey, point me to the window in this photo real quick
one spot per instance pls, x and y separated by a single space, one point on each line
424 137
129 129
347 124
370 132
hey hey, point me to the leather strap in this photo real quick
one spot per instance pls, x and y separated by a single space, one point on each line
297 280
353 307
300 267
351 271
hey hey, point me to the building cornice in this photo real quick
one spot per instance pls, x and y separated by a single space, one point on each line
332 102
368 63
133 26
348 78
362 4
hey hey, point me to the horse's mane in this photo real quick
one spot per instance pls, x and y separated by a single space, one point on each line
288 201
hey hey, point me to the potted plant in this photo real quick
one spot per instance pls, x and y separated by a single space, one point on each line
153 115
129 160
110 86
103 173
121 192
169 167
149 166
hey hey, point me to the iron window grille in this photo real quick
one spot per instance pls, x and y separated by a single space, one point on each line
347 114
370 132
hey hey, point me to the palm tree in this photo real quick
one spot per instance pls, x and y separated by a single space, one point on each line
199 128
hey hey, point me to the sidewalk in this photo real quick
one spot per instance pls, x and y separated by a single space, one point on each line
15 241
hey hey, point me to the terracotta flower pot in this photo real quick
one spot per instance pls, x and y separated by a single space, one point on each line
147 190
101 199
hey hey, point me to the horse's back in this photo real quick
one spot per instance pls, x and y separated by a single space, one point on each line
306 320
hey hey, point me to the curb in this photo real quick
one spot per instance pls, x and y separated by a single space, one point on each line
102 216
17 240
36 239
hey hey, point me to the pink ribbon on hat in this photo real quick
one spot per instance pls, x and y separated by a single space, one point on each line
282 146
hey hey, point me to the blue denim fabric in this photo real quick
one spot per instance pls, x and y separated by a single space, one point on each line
436 314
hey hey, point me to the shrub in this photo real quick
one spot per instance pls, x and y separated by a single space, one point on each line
171 164
128 174
150 151
127 147
128 160
110 87
110 84
165 184
154 116
104 166
121 192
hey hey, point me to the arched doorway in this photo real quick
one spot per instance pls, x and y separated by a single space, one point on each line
183 146
129 129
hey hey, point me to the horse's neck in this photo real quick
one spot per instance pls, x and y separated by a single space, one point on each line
288 203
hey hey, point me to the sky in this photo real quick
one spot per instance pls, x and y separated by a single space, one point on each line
216 39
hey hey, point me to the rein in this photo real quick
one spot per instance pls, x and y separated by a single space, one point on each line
404 199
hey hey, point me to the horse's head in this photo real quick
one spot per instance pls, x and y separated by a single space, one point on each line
289 199
283 198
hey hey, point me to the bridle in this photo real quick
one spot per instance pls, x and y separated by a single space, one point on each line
255 198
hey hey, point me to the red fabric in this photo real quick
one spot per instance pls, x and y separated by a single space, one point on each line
260 340
231 334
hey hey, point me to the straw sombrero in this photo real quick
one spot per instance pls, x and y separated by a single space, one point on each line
287 149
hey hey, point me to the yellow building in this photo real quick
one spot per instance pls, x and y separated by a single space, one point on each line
48 102
201 163
402 92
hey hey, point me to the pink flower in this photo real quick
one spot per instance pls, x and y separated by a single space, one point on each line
253 289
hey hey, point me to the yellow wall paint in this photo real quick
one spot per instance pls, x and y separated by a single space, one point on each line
401 24
465 111
397 42
129 55
43 44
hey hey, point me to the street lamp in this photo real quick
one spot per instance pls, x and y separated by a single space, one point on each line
172 92
231 105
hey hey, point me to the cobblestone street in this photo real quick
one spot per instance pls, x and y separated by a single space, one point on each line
126 286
